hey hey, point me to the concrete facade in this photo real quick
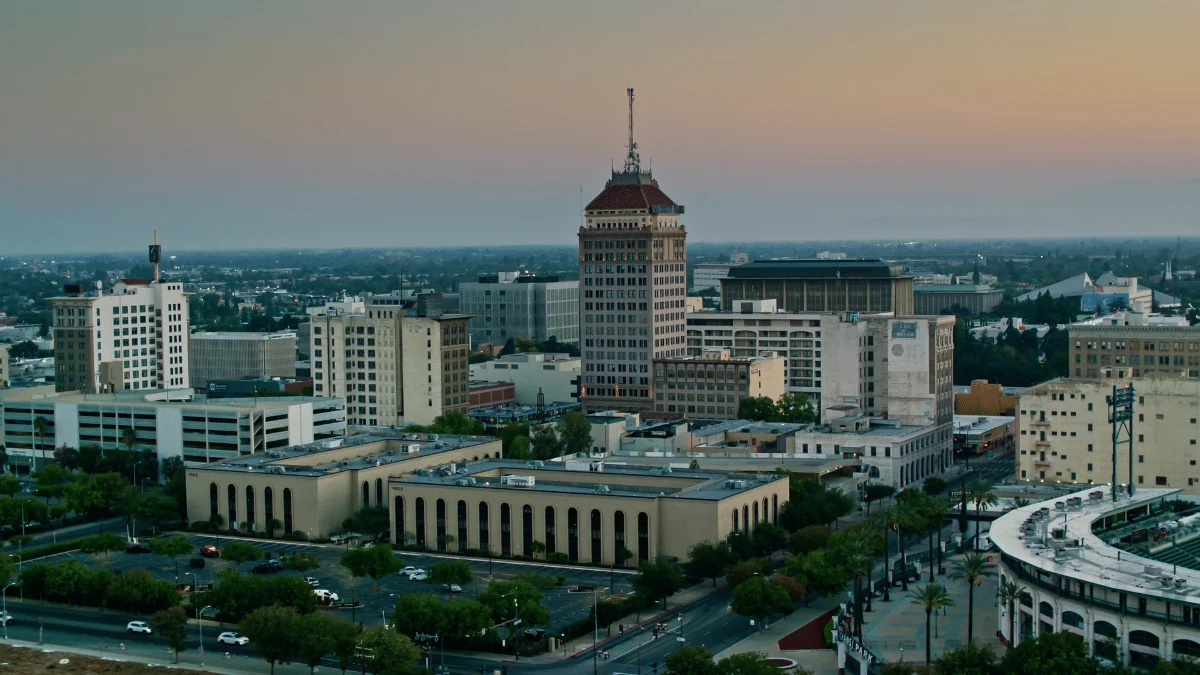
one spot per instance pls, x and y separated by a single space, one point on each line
3 366
934 299
982 398
1133 351
555 375
714 384
233 356
859 285
510 305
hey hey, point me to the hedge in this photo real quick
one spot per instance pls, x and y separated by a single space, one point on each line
43 551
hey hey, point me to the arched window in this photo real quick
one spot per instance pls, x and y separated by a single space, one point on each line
746 518
735 521
287 510
379 492
550 543
249 507
366 494
419 514
268 506
505 531
1072 619
462 526
1188 648
765 511
1143 638
597 540
439 514
755 521
398 538
527 530
775 510
214 500
231 504
484 542
1046 609
618 533
1105 629
643 551
573 535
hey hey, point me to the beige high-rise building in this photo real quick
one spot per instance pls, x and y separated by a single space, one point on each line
633 283
1099 350
394 364
132 336
1064 435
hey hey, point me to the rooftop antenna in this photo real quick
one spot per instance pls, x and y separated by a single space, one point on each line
581 206
155 255
632 162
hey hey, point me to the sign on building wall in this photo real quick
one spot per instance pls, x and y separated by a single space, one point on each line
904 330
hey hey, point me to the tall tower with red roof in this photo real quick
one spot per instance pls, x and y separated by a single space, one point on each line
633 283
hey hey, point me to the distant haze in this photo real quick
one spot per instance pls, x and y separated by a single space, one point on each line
305 123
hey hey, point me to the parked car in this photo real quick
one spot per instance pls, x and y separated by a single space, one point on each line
325 595
198 563
453 588
409 571
232 638
312 581
420 575
267 567
343 537
535 633
137 547
210 551
138 627
5 618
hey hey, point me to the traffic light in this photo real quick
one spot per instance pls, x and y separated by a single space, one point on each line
620 629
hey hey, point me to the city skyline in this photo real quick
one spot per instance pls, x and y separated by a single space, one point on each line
300 125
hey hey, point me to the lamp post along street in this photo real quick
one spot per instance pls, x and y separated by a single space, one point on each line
5 602
200 626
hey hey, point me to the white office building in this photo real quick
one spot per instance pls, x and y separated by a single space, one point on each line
555 375
509 305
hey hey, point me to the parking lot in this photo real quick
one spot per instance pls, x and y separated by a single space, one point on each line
564 606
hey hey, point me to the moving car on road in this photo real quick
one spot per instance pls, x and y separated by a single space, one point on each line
232 638
138 627
267 567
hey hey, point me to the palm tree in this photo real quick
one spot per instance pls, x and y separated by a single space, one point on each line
906 515
935 512
972 567
981 495
128 438
1021 501
933 597
40 426
860 560
1011 593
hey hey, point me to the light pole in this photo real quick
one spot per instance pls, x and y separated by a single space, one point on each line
200 627
5 602
132 518
595 626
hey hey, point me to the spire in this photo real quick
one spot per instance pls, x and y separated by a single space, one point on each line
633 163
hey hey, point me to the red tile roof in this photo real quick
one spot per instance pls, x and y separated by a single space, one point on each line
626 196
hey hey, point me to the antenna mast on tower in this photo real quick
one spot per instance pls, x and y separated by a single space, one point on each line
633 163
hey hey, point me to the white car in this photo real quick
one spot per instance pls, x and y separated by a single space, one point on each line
138 627
409 571
325 596
453 588
232 638
5 618
312 581
420 575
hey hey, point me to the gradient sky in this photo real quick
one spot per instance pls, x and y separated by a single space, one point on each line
234 124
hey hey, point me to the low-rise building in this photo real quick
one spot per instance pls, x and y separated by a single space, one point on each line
555 376
234 356
582 510
1099 348
1064 435
313 488
983 398
170 423
491 394
3 366
976 435
944 298
714 384
498 416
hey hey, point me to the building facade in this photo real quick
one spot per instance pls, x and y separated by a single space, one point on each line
709 275
395 364
1065 437
633 277
3 366
509 305
1133 351
976 435
232 356
982 398
556 376
132 336
168 423
976 299
714 384
864 285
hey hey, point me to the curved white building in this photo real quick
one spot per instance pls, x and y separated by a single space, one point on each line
1128 608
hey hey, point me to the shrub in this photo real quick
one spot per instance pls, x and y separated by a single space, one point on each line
295 535
557 556
560 579
49 549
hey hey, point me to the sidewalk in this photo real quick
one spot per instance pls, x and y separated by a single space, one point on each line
766 641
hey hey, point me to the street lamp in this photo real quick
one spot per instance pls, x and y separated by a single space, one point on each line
200 626
5 602
132 518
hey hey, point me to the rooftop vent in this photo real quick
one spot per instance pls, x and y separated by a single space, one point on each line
518 481
602 489
734 484
413 448
1153 570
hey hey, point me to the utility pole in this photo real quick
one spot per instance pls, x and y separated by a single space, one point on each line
363 653
1120 416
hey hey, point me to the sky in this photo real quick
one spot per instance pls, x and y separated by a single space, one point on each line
312 124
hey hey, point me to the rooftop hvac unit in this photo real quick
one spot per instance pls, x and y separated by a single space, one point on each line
735 484
1060 506
518 481
413 448
537 464
424 472
1153 570
461 481
1095 495
666 470
602 489
433 437
1180 583
598 467
1167 580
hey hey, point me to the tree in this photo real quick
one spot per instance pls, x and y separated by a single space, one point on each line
371 521
136 591
741 571
301 562
758 408
509 433
50 481
238 552
758 598
391 652
981 496
525 344
273 633
970 659
1012 593
374 562
1050 652
321 634
691 660
151 507
451 572
510 347
515 599
575 432
9 486
876 491
820 571
932 597
934 486
708 559
104 542
808 539
768 538
172 547
545 442
519 449
129 438
40 426
795 408
97 494
972 568
752 663
658 580
172 624
810 502
795 590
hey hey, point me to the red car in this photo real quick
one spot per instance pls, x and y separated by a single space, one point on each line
210 551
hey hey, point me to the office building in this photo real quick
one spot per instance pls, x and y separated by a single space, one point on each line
1065 437
313 488
232 356
974 299
510 305
395 363
20 332
713 384
1130 607
3 366
864 285
490 394
709 275
132 336
633 276
586 510
1101 349
555 376
170 423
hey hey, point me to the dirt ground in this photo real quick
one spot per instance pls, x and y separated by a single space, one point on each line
31 660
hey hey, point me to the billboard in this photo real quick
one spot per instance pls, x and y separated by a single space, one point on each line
904 330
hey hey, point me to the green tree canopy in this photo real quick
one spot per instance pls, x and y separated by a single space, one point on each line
103 543
499 599
374 562
658 580
172 547
274 633
238 552
172 624
371 521
709 559
321 633
545 443
759 599
451 572
575 432
391 653
691 660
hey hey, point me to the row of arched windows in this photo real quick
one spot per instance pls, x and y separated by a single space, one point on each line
532 541
750 515
248 520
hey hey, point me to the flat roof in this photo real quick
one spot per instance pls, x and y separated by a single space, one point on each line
517 409
1095 561
377 449
733 463
818 268
213 335
978 424
955 288
705 485
147 398
748 427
